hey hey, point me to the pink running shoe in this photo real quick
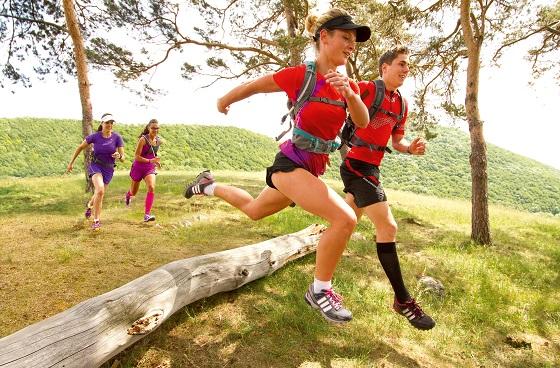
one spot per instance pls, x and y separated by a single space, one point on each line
96 226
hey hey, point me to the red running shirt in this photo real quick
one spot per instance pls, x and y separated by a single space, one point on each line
380 127
317 118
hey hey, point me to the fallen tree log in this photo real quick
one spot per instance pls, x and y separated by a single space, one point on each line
90 333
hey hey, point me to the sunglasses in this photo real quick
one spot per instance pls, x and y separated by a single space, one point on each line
154 128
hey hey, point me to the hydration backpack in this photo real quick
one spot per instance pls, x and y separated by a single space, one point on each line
302 139
348 133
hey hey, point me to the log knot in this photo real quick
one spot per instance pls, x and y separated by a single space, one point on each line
145 324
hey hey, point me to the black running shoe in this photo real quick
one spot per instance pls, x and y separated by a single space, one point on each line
329 304
203 179
414 313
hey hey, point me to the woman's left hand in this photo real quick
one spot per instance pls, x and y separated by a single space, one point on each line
340 82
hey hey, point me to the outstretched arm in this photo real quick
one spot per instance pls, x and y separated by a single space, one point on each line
263 84
75 155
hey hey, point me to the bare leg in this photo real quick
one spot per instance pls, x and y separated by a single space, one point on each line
350 200
150 181
268 202
385 225
134 185
314 196
97 199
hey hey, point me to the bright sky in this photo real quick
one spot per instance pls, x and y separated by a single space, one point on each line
517 117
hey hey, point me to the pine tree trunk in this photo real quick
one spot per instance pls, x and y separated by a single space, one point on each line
83 81
480 219
295 56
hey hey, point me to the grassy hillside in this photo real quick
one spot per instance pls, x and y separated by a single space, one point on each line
40 147
500 307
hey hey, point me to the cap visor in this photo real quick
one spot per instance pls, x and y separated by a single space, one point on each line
363 33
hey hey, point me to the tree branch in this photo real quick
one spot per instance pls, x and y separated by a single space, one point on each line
530 34
39 21
233 76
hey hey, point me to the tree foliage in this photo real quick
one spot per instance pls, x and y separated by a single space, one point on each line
32 33
389 26
544 55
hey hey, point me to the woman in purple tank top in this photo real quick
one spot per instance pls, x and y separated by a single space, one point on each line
107 146
144 167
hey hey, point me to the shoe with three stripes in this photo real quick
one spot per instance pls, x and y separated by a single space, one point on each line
203 179
329 304
414 313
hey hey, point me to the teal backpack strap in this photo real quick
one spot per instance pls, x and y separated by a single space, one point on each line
306 90
308 142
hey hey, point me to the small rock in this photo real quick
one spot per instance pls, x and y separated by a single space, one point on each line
432 285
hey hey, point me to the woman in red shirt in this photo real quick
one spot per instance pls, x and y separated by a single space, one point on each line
294 175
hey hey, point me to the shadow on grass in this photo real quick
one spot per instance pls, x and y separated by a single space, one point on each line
258 325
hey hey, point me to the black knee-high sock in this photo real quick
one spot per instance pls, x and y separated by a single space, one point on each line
387 254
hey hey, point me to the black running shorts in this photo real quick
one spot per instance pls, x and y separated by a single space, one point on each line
362 181
281 163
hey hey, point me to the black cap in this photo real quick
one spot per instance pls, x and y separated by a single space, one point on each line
345 22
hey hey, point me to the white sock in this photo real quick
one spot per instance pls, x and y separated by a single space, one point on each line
319 285
95 220
209 189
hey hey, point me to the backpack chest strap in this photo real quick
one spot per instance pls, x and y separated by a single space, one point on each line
358 142
398 117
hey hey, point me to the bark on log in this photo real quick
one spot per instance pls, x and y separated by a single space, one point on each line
90 333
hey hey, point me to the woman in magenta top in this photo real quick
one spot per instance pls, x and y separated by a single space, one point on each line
107 146
294 175
144 167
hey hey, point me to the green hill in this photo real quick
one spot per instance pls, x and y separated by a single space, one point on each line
41 147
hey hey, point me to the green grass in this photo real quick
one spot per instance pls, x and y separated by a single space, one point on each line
50 260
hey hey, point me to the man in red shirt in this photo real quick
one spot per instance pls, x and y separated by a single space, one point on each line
360 174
